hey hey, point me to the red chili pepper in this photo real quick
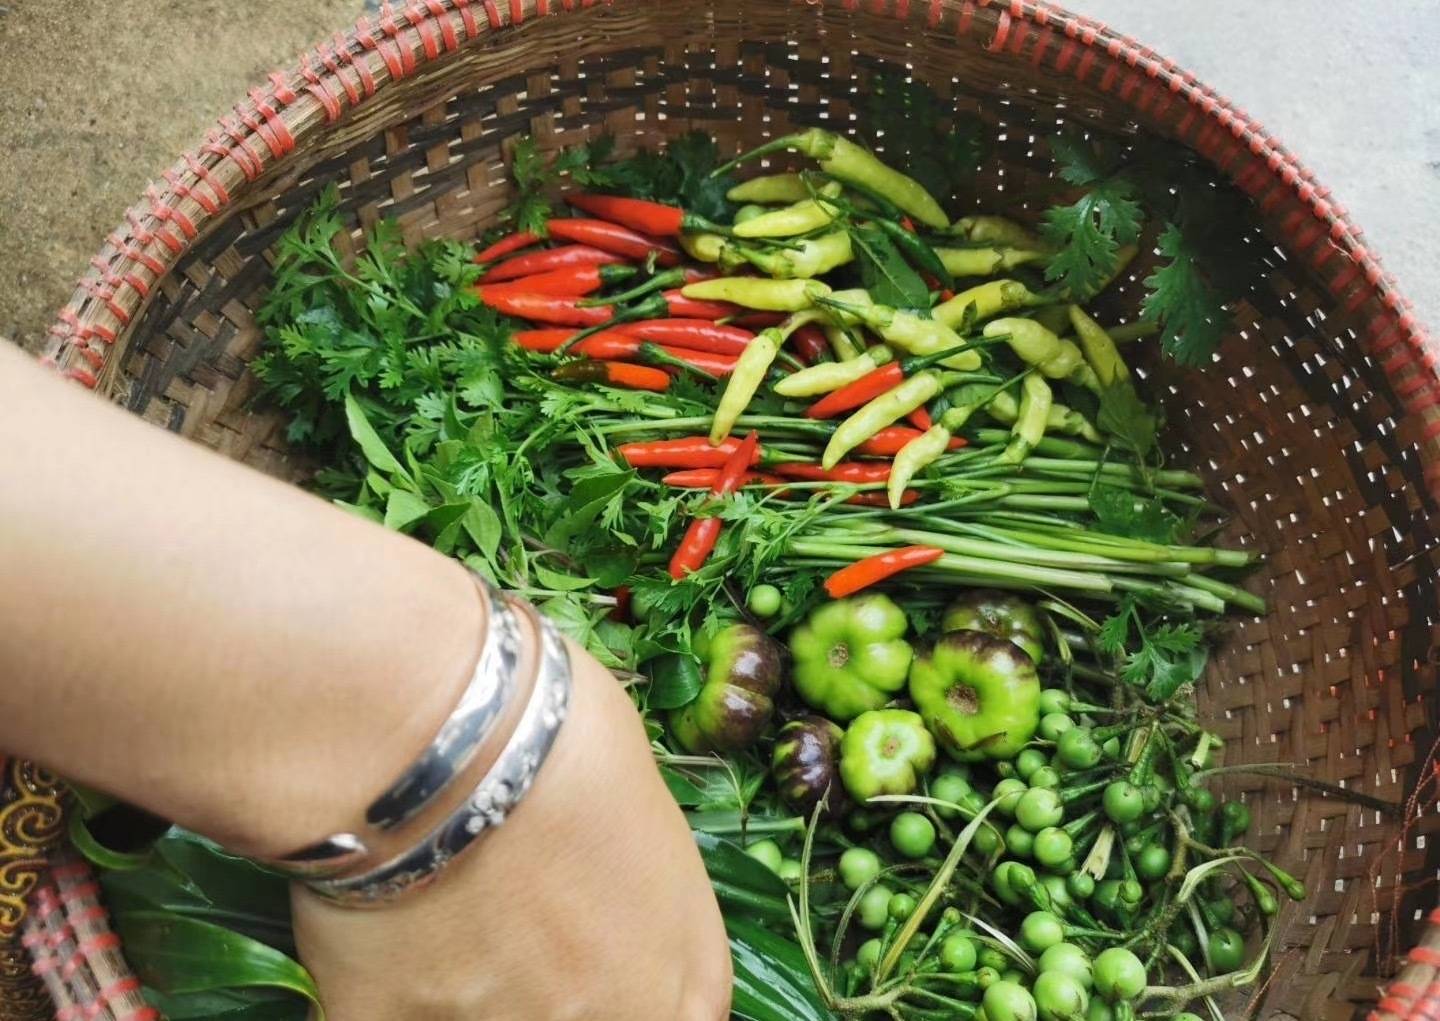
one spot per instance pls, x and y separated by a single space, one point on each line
863 573
612 344
621 609
694 308
685 452
908 224
920 419
692 333
701 536
621 374
845 471
611 237
946 294
577 281
881 500
637 214
810 344
874 383
546 261
695 274
506 245
704 478
862 391
892 439
759 320
543 308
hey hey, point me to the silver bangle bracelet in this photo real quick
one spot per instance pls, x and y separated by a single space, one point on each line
494 798
491 689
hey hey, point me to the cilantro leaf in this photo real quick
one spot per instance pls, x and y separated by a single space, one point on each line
1082 161
1192 315
1126 419
1121 512
885 272
1170 655
1088 235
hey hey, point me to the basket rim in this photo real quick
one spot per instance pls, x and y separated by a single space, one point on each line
351 68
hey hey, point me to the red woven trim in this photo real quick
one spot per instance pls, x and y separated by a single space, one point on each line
274 130
472 27
203 174
1425 955
142 1014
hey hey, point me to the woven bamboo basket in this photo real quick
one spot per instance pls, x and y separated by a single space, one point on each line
1319 427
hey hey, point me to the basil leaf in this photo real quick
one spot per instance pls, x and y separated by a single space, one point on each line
368 440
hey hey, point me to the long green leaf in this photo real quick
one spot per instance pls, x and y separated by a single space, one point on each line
744 887
182 955
368 440
772 981
231 1005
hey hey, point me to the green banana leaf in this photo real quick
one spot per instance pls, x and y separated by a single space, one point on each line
772 980
176 955
744 887
230 1005
191 877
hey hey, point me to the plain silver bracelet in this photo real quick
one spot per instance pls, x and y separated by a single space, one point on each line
494 798
491 689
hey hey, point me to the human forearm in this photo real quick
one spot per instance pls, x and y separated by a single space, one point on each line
204 641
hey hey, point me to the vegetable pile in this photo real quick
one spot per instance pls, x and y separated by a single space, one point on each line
867 507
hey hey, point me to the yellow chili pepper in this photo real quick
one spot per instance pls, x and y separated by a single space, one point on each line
984 262
1029 428
994 230
1100 350
888 408
702 247
1062 418
813 257
1034 345
842 342
765 295
771 189
985 301
914 456
828 376
748 213
749 373
801 218
911 333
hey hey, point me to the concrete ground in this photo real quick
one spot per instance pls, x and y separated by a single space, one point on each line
97 98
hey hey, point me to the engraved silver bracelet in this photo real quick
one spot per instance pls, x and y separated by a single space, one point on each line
491 689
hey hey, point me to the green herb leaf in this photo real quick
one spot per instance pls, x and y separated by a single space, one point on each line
404 509
675 680
1192 315
1088 235
1122 512
368 440
885 272
744 887
1126 419
1083 161
230 1005
922 134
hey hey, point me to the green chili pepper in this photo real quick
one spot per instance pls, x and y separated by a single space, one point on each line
764 295
980 696
999 615
802 217
985 301
995 230
810 258
848 162
734 705
1034 345
915 392
906 330
750 369
984 262
771 189
1100 351
1029 428
851 655
828 376
885 751
914 248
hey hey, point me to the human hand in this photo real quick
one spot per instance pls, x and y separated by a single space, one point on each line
591 902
